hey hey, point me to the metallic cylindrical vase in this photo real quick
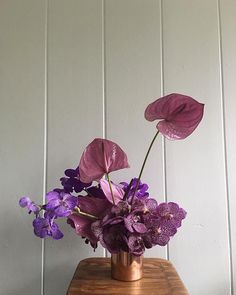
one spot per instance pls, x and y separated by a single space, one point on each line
126 267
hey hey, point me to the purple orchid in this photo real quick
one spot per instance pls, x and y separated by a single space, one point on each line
44 227
179 115
141 190
62 204
31 206
134 222
100 157
171 213
72 182
136 245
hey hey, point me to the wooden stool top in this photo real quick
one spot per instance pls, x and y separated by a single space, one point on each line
93 276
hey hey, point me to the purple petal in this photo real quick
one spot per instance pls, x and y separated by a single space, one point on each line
139 227
24 201
118 192
53 195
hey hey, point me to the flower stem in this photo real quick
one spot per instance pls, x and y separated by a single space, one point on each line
109 181
77 210
144 162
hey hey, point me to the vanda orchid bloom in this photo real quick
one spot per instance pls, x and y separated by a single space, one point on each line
121 217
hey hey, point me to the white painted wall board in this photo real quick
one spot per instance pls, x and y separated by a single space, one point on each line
228 25
74 116
195 166
21 147
133 80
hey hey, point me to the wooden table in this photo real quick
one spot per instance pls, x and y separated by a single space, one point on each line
93 276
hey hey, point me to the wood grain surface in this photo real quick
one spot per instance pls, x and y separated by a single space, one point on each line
93 276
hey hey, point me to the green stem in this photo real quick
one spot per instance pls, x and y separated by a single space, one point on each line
109 181
77 210
144 162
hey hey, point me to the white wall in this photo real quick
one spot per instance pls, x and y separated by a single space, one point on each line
72 70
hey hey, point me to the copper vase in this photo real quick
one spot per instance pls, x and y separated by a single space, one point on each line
126 267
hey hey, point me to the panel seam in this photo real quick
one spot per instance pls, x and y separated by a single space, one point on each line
222 100
104 98
162 86
45 160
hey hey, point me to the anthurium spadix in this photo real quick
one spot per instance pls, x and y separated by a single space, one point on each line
179 115
101 157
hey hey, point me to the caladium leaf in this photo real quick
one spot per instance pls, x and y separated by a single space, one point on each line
101 156
179 115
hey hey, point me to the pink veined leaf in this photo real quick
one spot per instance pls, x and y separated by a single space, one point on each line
179 115
101 156
118 192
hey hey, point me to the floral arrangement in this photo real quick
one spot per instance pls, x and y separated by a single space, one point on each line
122 217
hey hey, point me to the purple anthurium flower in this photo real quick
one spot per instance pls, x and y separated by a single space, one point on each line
179 115
100 157
62 204
31 206
136 245
44 227
117 191
171 213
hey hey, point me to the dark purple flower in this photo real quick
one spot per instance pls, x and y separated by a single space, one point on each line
72 182
44 227
172 213
148 205
134 222
61 204
136 245
30 205
141 191
95 191
114 238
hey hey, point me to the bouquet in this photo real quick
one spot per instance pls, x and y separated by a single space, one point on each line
122 217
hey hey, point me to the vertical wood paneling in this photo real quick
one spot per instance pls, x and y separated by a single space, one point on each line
228 26
195 167
74 115
133 80
21 137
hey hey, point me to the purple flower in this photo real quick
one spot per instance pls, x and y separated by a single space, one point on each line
72 182
160 233
61 204
136 245
141 191
179 115
171 213
112 237
30 205
44 227
134 222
